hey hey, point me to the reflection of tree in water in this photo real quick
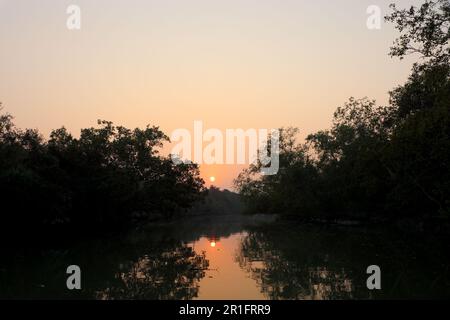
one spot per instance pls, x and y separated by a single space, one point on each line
170 273
291 261
282 278
152 267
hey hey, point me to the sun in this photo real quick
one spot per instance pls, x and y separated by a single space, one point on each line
212 179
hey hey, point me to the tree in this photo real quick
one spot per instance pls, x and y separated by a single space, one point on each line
349 158
424 30
375 161
108 177
418 153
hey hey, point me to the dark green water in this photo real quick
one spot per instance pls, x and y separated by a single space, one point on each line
232 257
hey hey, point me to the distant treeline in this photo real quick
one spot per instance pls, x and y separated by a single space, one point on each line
218 202
108 177
376 161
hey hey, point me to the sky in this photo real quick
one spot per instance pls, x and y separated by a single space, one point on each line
228 63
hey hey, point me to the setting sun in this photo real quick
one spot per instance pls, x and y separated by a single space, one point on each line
212 179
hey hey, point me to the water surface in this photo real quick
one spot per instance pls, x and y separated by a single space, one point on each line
233 257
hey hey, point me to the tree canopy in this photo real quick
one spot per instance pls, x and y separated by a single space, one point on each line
375 161
109 176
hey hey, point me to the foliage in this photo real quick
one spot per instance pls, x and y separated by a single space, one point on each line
108 176
375 161
424 30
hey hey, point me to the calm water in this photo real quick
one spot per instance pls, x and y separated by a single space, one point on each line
235 258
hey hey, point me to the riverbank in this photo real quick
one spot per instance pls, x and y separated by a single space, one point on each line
409 225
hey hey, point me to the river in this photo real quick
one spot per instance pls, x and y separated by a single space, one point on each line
235 257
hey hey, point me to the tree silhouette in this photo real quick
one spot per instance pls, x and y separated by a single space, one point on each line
376 162
108 177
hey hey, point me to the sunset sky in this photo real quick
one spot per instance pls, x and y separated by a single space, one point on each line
229 63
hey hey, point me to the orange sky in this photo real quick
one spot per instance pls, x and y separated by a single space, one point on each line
231 64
